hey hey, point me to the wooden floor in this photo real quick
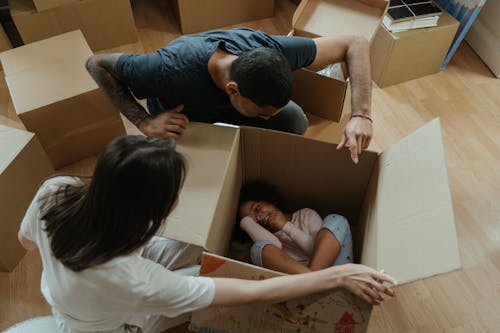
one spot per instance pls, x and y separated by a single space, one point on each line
467 99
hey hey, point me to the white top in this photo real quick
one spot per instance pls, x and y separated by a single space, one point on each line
122 290
296 238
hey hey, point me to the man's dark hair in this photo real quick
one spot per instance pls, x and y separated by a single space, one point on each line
135 185
264 76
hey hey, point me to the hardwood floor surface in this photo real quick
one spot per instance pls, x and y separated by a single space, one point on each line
465 96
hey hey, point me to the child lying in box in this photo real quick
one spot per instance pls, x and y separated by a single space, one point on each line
291 243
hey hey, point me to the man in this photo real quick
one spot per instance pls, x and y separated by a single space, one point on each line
238 76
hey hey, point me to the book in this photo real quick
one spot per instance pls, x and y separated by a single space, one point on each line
417 23
404 15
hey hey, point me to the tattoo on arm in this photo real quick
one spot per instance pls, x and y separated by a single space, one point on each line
102 69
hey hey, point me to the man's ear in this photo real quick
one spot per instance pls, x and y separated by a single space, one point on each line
232 88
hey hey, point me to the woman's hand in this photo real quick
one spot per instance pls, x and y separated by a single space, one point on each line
365 282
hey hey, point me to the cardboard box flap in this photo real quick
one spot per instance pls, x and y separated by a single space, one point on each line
208 150
412 212
48 51
339 17
12 141
225 213
314 313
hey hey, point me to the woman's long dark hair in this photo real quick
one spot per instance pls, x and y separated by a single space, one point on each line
134 187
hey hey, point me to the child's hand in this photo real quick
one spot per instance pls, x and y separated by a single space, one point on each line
275 221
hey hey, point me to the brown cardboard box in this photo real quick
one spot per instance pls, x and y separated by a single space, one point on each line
201 15
23 167
48 4
55 97
4 40
104 23
317 94
334 311
403 56
398 203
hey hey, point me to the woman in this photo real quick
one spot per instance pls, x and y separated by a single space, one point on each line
103 269
291 243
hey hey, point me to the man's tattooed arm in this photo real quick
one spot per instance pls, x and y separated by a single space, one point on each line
102 68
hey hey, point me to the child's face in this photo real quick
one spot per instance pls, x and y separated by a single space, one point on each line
257 210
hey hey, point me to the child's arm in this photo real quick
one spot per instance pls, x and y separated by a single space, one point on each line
257 232
305 240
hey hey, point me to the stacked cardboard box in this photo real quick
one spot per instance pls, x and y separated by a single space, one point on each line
201 15
56 98
23 167
407 55
104 23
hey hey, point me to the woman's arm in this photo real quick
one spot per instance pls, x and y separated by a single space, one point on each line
361 280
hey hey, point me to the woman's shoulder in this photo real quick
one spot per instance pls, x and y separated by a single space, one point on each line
58 181
53 184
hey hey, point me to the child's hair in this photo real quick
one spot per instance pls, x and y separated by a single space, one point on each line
260 190
134 187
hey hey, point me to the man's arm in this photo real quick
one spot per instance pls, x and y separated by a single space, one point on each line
102 68
169 124
354 51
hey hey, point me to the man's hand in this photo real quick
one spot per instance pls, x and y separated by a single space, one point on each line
166 125
357 135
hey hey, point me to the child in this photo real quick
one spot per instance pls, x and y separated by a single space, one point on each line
299 242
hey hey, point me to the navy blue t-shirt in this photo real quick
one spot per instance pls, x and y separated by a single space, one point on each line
178 73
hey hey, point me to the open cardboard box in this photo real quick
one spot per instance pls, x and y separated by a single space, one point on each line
56 98
201 15
23 167
398 203
317 94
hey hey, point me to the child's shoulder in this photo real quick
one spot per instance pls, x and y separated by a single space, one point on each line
307 212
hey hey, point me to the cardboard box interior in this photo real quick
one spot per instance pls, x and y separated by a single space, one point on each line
200 15
317 94
19 181
104 23
398 202
391 199
403 56
55 97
